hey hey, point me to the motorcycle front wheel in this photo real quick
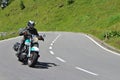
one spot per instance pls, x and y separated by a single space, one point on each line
33 59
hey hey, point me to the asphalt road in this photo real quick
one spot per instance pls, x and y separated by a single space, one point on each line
64 56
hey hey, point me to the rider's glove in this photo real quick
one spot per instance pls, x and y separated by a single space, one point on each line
40 38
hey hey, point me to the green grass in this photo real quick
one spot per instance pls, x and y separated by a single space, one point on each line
95 17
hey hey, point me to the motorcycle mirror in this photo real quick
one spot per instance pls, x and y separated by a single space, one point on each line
44 36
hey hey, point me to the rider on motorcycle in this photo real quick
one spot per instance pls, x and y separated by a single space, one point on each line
25 32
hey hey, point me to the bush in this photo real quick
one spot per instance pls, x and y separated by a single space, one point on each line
111 34
70 2
22 6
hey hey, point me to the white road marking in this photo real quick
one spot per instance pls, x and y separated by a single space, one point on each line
81 69
60 59
56 38
50 47
51 44
102 46
51 52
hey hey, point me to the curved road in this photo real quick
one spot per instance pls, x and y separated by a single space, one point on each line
64 56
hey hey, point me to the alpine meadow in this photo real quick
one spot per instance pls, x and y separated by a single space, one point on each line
100 18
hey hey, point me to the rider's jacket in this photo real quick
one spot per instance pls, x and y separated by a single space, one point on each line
27 31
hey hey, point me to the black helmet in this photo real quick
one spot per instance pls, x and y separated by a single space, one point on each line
31 24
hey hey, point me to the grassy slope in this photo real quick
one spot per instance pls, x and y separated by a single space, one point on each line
90 16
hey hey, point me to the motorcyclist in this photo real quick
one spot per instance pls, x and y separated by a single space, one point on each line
26 32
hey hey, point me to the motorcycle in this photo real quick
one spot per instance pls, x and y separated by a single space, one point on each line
30 52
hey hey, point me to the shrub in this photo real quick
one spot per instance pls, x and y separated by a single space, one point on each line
22 6
70 2
111 34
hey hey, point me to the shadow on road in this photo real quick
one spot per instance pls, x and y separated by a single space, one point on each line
44 65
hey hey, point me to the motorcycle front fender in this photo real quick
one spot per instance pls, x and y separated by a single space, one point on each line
36 49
